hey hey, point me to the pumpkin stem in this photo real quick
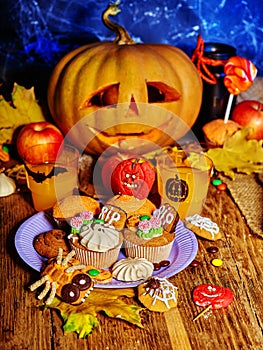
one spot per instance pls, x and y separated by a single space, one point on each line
122 37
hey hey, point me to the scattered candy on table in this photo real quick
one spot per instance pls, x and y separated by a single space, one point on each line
217 262
216 182
195 263
221 186
212 250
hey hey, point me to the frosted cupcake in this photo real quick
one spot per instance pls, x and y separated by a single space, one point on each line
95 242
153 237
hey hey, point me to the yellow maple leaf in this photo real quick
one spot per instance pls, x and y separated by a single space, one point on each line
24 109
82 318
238 155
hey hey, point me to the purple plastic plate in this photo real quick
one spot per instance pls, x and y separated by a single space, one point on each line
183 252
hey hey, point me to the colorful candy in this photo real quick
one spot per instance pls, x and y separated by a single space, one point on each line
217 262
216 182
221 186
195 263
239 74
212 250
216 296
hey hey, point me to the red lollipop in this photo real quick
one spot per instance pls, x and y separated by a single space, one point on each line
239 76
212 297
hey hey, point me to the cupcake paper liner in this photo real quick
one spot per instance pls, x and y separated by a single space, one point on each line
154 254
101 260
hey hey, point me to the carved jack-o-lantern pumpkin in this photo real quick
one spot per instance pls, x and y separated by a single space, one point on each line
105 74
133 177
176 189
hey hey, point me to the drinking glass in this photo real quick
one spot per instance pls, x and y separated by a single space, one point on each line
51 176
183 180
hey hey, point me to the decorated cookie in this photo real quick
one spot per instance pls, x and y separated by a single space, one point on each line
132 269
113 215
168 217
158 294
203 227
65 277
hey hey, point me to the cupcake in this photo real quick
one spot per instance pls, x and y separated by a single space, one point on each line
71 206
133 207
150 239
95 242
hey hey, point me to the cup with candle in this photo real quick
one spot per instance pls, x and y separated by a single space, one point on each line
52 174
183 180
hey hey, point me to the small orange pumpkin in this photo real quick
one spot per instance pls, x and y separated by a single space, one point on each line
104 74
133 177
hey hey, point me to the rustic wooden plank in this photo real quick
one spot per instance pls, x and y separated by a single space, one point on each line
24 326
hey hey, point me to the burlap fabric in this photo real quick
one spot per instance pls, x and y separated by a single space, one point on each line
247 192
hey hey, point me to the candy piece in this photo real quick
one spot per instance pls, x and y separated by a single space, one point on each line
216 296
222 187
217 262
212 250
165 263
145 217
239 74
195 263
93 272
216 182
156 266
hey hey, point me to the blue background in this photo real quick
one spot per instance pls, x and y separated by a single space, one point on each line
35 34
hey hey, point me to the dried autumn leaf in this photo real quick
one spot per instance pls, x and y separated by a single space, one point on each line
82 318
238 155
25 110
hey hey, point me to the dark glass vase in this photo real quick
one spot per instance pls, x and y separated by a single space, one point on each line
215 96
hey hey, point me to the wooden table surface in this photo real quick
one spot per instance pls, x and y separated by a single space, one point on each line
24 326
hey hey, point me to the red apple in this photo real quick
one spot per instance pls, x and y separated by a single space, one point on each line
43 134
250 113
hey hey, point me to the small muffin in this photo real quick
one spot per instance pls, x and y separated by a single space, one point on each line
97 244
203 227
48 243
132 269
149 239
216 131
132 206
158 294
73 205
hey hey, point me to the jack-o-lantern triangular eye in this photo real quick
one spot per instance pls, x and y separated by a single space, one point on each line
106 96
161 92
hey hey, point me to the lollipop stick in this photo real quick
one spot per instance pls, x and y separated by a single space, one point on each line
203 312
228 108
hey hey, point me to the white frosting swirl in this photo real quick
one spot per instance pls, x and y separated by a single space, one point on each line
99 237
203 223
132 269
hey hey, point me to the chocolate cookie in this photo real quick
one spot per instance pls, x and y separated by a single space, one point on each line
47 243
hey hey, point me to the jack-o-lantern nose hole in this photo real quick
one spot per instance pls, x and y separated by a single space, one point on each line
133 109
160 92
